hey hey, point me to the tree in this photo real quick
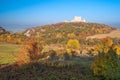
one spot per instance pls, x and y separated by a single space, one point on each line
9 38
117 48
73 45
30 52
106 65
59 35
104 45
71 35
34 50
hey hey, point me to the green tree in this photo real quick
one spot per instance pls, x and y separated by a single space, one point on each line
106 65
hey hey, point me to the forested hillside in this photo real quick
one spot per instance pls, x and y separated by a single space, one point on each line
62 32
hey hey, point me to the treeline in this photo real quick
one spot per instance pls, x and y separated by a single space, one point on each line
35 50
12 38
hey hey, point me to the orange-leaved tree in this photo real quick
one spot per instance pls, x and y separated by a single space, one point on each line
30 52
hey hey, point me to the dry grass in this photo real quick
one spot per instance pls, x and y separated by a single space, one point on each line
113 34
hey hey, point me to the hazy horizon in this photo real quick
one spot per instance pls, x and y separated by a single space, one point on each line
30 13
17 28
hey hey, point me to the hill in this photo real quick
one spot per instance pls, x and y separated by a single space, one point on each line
61 32
93 28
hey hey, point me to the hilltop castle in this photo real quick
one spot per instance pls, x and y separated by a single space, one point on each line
76 19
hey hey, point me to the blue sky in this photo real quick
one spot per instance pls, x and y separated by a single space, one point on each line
39 12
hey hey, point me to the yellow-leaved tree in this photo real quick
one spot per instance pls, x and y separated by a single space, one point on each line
104 45
71 35
117 48
73 45
106 63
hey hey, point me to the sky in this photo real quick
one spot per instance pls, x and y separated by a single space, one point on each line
23 13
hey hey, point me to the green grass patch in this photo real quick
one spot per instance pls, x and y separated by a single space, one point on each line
8 52
85 61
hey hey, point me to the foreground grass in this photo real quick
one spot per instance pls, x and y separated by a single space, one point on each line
46 71
49 70
8 52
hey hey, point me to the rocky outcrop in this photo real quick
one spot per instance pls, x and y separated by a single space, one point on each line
29 32
2 30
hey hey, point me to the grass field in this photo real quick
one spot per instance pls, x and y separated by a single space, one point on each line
8 52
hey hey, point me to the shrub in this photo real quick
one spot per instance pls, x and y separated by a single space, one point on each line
105 65
64 56
53 55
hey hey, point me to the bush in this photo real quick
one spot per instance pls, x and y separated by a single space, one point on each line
53 55
106 65
64 56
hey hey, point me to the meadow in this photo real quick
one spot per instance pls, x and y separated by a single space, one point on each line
8 52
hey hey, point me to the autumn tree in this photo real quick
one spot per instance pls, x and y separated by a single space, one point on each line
104 45
59 35
73 45
117 48
9 38
106 64
71 35
30 52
